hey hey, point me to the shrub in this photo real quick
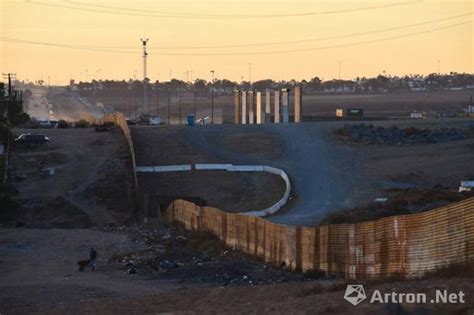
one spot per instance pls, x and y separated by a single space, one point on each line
82 124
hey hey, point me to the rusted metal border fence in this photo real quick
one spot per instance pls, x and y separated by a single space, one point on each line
120 120
400 246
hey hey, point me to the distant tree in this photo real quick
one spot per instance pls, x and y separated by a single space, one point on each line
200 86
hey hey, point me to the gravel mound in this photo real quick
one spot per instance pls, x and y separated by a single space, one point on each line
370 134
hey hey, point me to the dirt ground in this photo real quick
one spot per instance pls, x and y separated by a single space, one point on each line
91 184
234 192
40 276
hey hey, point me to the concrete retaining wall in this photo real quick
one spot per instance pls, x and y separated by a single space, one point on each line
231 168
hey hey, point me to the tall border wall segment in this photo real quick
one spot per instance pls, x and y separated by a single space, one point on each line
120 120
405 246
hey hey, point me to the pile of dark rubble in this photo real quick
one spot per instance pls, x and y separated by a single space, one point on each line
371 134
168 255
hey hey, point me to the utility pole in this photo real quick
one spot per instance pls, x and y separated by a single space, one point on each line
169 103
179 92
157 100
438 66
145 79
250 73
9 77
10 99
212 97
195 105
339 70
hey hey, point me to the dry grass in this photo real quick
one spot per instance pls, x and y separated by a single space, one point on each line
401 201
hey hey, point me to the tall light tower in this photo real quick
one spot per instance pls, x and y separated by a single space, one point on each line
145 79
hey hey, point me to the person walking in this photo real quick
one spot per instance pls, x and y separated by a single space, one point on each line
92 258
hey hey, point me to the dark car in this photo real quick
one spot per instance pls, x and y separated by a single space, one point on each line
105 127
31 139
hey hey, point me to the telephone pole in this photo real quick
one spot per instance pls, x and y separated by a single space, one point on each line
339 70
145 79
250 73
10 77
7 108
212 97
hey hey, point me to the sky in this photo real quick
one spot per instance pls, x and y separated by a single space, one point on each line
56 40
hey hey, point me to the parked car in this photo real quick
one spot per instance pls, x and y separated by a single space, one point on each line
105 127
62 124
48 124
31 139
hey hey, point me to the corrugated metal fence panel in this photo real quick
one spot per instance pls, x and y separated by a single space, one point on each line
407 245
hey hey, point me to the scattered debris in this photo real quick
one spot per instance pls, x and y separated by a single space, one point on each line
190 256
48 171
166 264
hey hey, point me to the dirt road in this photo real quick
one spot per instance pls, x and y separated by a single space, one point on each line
70 107
38 105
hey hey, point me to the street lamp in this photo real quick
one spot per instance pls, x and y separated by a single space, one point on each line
212 97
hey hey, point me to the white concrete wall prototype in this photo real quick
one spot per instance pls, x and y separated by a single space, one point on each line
267 102
237 102
268 111
277 107
298 101
244 107
251 107
285 103
231 168
259 107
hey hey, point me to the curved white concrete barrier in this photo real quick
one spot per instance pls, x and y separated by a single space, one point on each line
231 168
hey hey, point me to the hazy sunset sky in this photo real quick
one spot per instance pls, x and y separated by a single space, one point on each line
174 26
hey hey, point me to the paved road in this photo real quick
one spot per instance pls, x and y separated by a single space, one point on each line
38 106
323 173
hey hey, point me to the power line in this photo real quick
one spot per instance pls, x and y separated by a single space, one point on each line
16 40
245 53
136 12
311 39
317 48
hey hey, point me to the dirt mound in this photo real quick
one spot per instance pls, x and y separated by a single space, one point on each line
45 212
370 134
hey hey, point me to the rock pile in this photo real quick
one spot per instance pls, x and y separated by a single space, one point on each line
371 134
